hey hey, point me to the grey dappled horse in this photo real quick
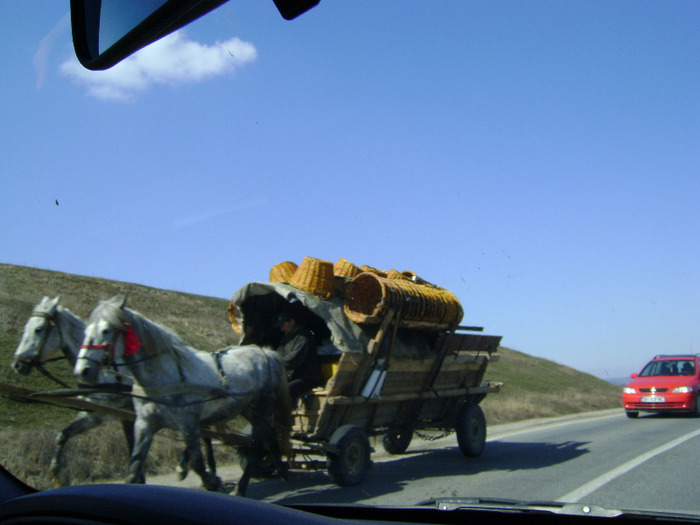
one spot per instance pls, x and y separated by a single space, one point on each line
185 388
53 332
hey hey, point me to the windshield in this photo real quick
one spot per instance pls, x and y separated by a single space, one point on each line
526 171
674 367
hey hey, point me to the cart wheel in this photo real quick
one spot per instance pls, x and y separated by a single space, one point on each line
265 468
397 442
471 429
349 463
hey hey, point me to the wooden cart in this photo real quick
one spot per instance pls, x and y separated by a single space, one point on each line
388 379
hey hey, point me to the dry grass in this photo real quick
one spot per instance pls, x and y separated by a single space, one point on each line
100 454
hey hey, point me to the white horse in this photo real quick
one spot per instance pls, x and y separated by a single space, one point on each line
53 332
184 388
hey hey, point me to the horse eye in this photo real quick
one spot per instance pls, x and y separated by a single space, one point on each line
39 329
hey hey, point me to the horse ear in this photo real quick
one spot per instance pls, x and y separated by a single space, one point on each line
119 301
53 303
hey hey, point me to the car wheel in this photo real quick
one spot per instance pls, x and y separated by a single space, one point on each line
696 412
632 414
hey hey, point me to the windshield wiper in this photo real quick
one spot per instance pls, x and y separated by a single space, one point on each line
502 504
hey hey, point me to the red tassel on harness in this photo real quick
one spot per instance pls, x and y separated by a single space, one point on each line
132 343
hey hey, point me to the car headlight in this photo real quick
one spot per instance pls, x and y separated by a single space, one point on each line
683 390
628 390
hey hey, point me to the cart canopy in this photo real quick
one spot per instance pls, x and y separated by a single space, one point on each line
255 307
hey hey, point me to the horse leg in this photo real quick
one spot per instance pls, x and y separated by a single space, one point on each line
183 464
211 461
270 438
184 460
128 428
262 440
83 422
143 437
192 440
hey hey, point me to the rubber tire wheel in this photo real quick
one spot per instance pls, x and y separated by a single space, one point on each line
397 442
696 412
471 429
267 467
632 414
349 466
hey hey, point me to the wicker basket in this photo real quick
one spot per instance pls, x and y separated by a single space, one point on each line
314 276
344 268
393 274
368 296
369 269
282 272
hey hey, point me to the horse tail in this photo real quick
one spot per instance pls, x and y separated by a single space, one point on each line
283 405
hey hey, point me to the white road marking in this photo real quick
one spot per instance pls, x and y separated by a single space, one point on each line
593 485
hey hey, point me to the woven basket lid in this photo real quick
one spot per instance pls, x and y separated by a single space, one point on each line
314 276
282 272
344 268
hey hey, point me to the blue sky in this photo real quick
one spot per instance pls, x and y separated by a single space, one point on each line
539 159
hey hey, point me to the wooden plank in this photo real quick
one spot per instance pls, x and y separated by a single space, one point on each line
470 342
454 392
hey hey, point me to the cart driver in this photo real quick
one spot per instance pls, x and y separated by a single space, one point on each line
298 350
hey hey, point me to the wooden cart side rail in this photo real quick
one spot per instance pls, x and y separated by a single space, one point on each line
486 388
27 394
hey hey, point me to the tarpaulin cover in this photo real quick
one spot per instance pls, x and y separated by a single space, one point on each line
345 335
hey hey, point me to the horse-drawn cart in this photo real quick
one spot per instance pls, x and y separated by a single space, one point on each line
393 356
388 375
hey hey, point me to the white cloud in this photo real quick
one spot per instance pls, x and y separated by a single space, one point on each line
172 60
41 57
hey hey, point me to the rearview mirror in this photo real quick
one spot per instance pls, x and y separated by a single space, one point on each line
107 31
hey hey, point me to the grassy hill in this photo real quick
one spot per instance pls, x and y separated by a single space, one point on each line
533 387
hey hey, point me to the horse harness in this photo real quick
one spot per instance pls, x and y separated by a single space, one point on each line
36 362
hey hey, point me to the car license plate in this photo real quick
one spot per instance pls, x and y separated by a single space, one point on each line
653 399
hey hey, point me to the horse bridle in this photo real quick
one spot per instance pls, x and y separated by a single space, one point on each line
36 361
108 349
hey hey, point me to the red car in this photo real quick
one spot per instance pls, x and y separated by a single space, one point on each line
668 383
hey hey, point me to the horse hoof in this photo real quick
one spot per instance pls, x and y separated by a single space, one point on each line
214 484
182 474
58 483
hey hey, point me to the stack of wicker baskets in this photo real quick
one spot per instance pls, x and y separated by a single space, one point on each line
368 293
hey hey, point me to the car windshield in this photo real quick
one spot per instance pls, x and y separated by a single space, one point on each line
473 220
669 367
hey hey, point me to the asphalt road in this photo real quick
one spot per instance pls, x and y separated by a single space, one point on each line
599 458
